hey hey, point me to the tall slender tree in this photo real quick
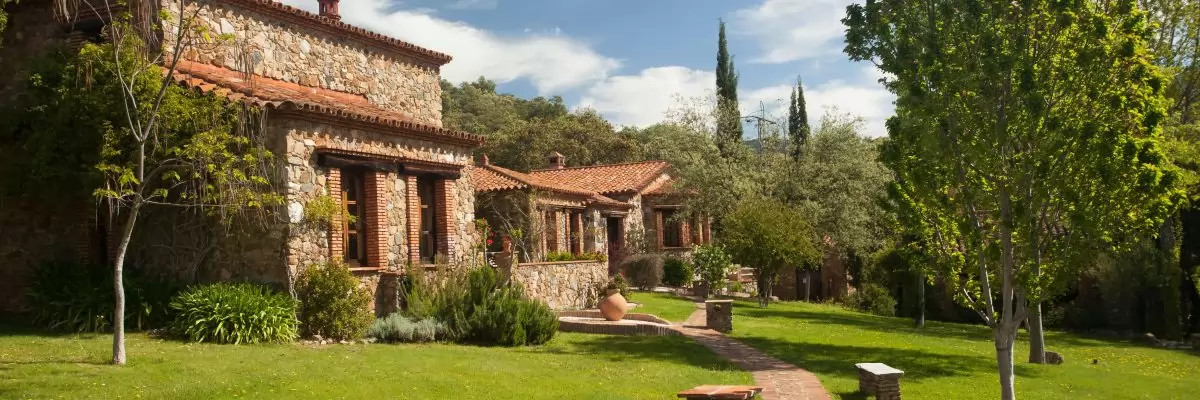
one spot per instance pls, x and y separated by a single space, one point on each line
798 128
729 121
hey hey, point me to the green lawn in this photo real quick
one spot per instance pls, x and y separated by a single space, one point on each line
573 366
957 361
665 305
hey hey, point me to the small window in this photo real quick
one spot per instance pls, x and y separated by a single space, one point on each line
355 220
672 229
428 246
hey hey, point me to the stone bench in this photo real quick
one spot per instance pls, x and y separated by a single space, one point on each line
715 392
880 380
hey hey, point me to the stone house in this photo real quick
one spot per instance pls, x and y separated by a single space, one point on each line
599 208
353 116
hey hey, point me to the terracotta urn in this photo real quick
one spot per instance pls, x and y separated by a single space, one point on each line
613 306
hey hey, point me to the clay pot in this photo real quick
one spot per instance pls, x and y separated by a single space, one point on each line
613 306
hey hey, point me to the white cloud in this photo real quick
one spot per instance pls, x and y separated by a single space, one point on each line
474 5
552 63
641 100
863 97
791 30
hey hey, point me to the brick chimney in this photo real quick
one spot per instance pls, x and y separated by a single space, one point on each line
557 160
329 9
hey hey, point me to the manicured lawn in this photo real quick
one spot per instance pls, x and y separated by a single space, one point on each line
572 366
665 305
956 361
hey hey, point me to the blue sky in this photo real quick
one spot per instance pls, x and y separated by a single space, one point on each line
632 60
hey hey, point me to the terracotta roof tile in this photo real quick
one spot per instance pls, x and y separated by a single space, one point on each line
608 178
283 95
491 178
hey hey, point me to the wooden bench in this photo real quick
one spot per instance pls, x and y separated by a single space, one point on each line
715 392
880 380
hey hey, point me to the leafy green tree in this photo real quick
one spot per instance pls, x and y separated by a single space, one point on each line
769 236
841 183
798 129
730 122
583 137
162 145
713 265
1023 132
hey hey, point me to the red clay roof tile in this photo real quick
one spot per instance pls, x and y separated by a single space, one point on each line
491 178
283 95
608 178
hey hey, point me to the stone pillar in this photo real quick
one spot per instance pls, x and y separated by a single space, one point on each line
879 380
719 314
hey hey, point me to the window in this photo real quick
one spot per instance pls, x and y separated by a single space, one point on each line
428 247
553 227
355 220
576 232
672 235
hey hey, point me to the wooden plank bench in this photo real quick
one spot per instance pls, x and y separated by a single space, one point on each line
715 392
880 380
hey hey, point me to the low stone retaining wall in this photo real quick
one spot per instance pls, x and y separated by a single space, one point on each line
563 285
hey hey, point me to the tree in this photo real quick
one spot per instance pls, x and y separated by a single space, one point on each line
584 137
164 145
729 124
1023 132
769 236
798 129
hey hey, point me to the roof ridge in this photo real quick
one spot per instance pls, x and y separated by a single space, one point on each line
544 185
600 165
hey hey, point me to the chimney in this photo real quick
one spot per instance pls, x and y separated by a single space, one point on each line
485 160
557 161
329 9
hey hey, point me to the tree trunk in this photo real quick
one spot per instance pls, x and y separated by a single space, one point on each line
118 357
1004 357
1172 279
919 318
808 277
1037 338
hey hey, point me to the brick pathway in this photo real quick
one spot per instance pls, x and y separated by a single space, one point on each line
779 380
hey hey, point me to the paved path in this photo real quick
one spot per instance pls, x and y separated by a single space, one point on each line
779 380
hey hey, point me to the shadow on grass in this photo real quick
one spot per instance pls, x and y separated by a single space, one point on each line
839 360
869 322
624 349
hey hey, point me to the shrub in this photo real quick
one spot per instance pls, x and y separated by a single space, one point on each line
556 256
713 265
478 306
398 328
332 304
677 272
644 270
871 298
618 282
66 295
234 313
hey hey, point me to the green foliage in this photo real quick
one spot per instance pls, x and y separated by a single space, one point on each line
557 256
713 265
798 129
872 298
768 236
68 296
477 306
332 303
322 209
617 282
583 137
234 313
841 185
398 328
644 270
677 272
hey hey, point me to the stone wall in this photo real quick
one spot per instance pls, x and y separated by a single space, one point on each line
299 53
563 285
308 181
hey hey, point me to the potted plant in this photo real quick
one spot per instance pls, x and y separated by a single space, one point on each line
614 305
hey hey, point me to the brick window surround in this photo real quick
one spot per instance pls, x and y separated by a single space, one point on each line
374 192
443 213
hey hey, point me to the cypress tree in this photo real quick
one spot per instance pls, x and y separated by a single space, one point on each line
798 128
729 121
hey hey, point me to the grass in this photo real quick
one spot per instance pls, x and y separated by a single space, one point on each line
957 361
572 366
665 305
